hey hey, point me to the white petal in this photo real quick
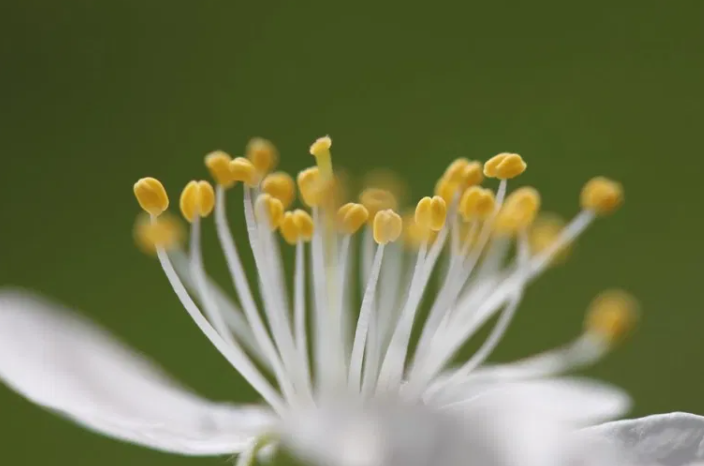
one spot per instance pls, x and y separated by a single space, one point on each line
577 400
62 362
506 432
675 439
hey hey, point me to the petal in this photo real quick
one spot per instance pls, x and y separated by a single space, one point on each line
60 361
674 439
577 400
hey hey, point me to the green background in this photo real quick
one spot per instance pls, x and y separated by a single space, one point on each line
97 94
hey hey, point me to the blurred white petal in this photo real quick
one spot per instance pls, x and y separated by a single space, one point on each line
577 400
63 362
675 439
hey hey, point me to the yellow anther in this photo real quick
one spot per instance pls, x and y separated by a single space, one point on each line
218 164
431 213
602 195
243 170
151 195
305 224
271 209
376 200
448 189
612 315
546 229
504 166
281 186
311 186
455 171
351 217
197 199
477 203
263 155
387 226
473 174
289 228
166 232
386 180
519 211
414 236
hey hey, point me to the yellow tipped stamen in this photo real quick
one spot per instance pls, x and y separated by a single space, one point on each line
263 155
197 199
447 189
546 229
281 186
504 166
431 213
376 200
218 164
387 226
473 174
602 195
289 228
243 170
414 236
464 173
151 195
270 208
305 224
351 217
166 232
455 171
519 211
612 315
477 203
310 186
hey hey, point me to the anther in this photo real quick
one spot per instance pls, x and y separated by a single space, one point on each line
504 166
602 195
376 200
289 228
197 199
431 213
166 232
351 217
547 229
263 155
311 186
476 203
455 171
218 164
151 195
281 186
270 208
447 189
612 315
519 211
473 174
305 224
243 170
387 226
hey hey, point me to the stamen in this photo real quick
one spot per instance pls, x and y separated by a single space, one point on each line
611 316
504 166
280 185
270 211
351 217
218 164
167 233
602 195
197 200
243 170
151 195
431 213
263 155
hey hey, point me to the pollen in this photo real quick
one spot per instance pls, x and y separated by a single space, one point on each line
218 163
387 226
504 166
431 213
477 203
263 155
519 211
351 217
544 232
375 200
197 199
281 186
243 170
271 209
165 232
612 315
602 195
151 195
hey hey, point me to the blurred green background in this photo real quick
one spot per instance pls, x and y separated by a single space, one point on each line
97 94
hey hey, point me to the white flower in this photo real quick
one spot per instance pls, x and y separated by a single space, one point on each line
366 399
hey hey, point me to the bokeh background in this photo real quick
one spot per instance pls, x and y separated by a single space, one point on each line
97 94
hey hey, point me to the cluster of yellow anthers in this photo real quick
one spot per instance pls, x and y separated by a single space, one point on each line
470 214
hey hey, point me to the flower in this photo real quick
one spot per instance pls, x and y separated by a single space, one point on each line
357 395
